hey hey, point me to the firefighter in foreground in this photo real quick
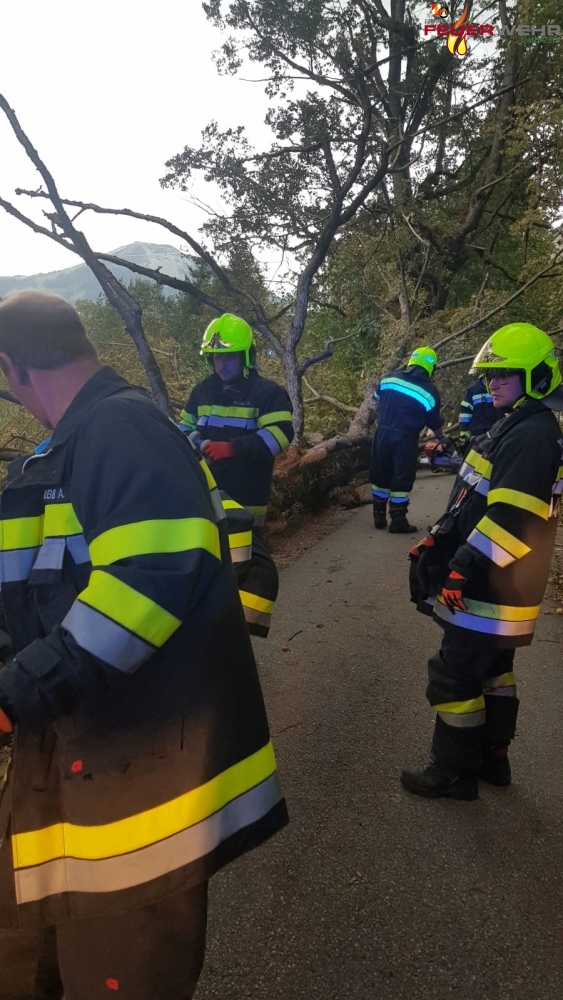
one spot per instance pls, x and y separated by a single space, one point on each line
477 412
142 760
485 565
240 422
408 402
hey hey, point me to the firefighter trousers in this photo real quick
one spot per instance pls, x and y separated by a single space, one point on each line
393 464
153 953
472 688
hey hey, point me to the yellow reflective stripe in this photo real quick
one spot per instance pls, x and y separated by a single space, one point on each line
61 519
249 412
257 603
503 681
508 542
148 537
94 843
279 436
502 612
281 416
232 505
525 501
239 539
462 707
208 474
21 532
188 419
129 608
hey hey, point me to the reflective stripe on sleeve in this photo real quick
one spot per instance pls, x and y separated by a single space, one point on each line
502 537
414 392
281 417
187 420
525 501
240 544
270 441
129 608
494 552
105 639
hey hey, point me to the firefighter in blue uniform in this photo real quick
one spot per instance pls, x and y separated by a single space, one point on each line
484 566
241 422
408 402
477 413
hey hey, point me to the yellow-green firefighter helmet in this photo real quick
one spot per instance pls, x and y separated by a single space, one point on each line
228 334
521 347
425 357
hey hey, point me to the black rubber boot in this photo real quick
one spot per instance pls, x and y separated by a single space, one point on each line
502 714
379 513
399 521
495 766
452 772
434 781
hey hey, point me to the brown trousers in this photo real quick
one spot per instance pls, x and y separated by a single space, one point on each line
153 953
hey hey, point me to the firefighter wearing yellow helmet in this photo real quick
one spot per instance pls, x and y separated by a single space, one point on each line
484 566
241 422
407 402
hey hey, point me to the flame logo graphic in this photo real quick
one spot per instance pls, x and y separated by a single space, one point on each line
439 10
456 43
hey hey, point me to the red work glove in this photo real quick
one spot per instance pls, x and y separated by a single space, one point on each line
452 592
417 550
218 449
5 724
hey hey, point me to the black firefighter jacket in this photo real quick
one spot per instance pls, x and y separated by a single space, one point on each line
507 498
254 414
142 760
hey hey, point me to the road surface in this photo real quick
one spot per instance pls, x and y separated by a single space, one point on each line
370 893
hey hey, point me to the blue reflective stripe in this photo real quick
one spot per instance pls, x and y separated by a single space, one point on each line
398 500
464 418
409 391
230 422
270 440
379 494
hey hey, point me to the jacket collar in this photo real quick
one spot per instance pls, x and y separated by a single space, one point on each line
241 385
529 409
106 382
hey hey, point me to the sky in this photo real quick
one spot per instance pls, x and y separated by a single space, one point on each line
107 92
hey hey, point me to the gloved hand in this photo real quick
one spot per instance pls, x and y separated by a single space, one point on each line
216 450
426 543
5 724
452 592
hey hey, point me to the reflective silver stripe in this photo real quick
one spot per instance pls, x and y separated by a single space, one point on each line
270 441
465 720
477 479
477 623
243 553
257 617
17 564
494 552
51 554
76 545
218 508
244 422
126 870
508 692
105 639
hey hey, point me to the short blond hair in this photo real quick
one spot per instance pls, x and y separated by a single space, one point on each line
41 330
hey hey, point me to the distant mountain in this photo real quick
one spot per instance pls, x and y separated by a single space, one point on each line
79 283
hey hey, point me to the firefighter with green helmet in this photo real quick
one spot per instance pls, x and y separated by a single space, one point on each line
241 422
483 568
407 402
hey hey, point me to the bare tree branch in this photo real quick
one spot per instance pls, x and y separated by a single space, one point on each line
124 303
479 322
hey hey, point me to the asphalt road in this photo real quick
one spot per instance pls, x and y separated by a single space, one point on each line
370 893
